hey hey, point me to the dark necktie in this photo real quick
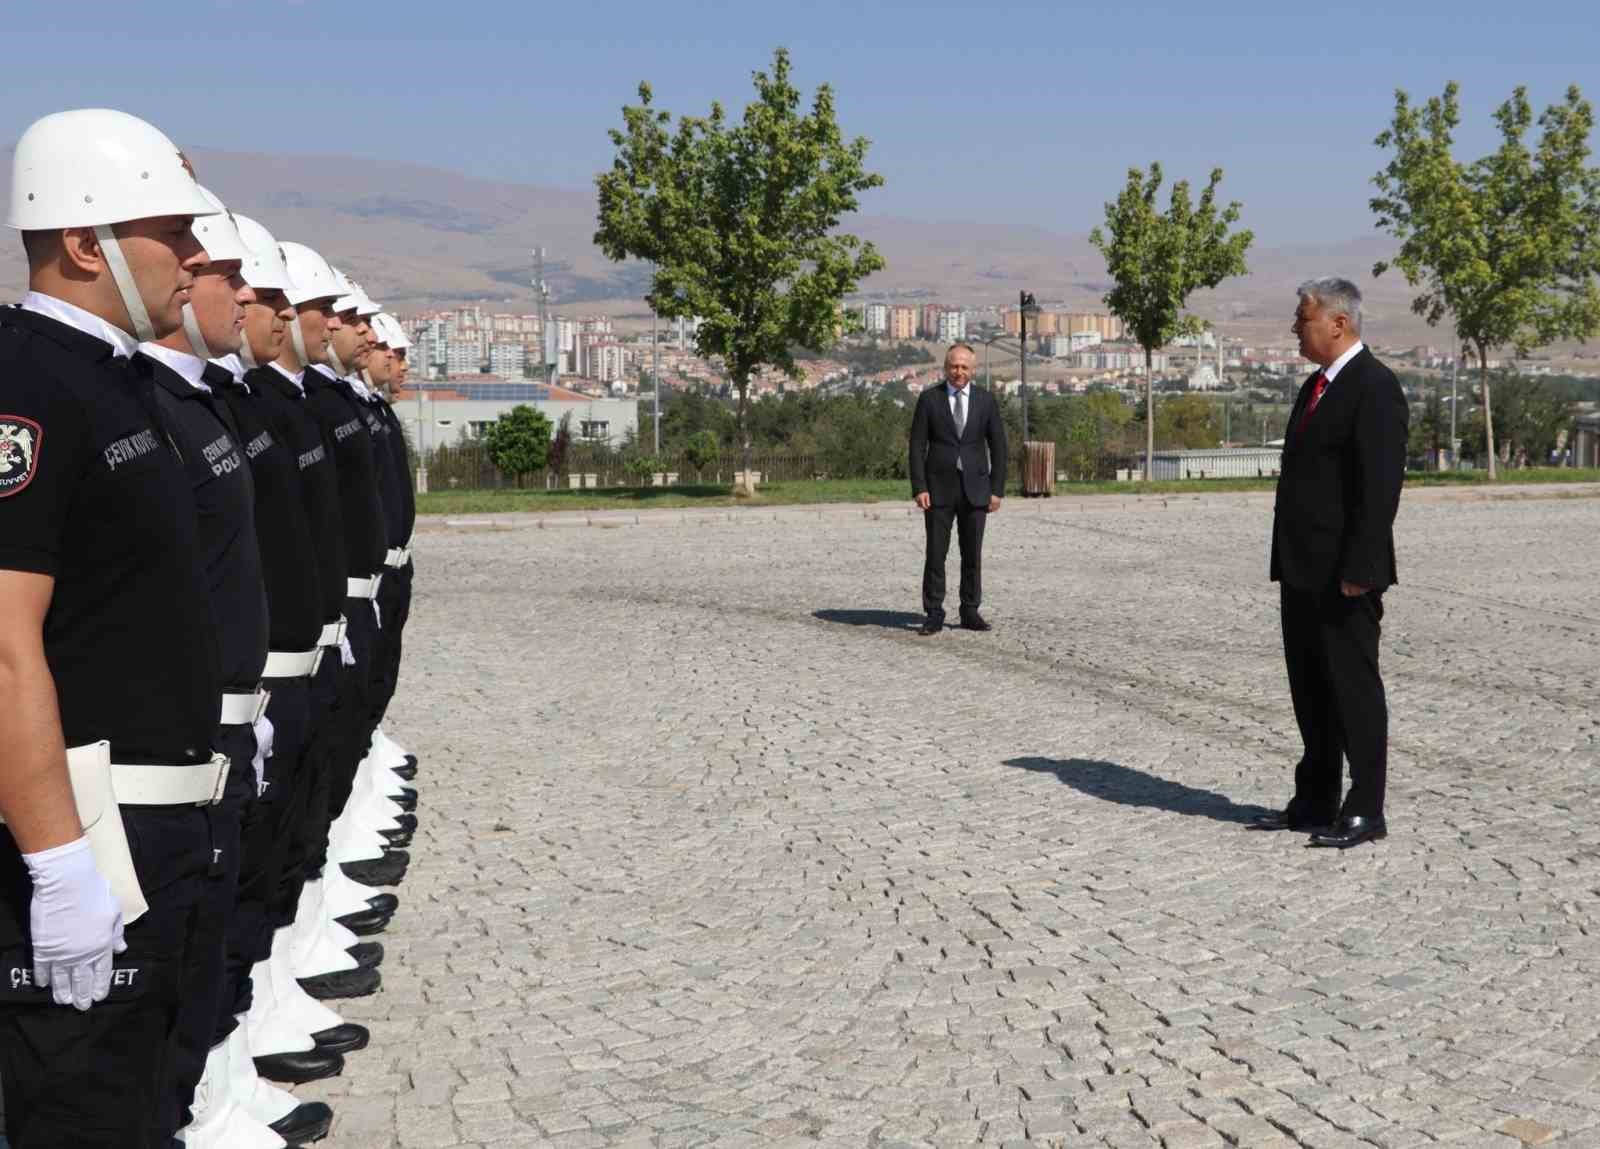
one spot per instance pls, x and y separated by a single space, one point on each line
961 411
1317 388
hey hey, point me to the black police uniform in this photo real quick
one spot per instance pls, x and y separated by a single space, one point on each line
366 546
230 557
394 487
399 607
294 608
290 415
104 507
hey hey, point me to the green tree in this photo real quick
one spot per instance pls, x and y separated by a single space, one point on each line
1508 246
1158 259
519 442
701 451
740 222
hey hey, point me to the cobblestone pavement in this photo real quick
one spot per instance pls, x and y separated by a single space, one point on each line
715 850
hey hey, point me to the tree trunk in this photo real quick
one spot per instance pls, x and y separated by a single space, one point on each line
1488 414
1149 420
743 384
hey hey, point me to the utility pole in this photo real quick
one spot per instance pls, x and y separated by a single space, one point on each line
1024 302
655 374
541 291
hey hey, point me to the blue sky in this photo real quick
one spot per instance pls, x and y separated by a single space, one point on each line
1021 112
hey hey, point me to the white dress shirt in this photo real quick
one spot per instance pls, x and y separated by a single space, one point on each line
1337 365
122 344
190 367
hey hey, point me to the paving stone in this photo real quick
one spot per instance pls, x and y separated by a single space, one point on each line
713 850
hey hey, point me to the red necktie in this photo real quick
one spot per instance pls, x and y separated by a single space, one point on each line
1321 384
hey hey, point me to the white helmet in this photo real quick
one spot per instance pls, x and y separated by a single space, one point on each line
353 298
390 331
218 233
96 166
263 263
310 277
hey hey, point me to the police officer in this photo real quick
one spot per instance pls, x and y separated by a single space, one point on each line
212 448
346 418
294 606
107 646
319 945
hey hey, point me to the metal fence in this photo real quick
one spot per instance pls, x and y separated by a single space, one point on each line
467 467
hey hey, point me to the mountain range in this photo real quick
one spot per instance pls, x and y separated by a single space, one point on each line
421 238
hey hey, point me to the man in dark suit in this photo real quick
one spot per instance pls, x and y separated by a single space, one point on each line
958 472
1333 556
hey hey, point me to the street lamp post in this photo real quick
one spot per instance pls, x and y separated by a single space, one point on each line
1025 307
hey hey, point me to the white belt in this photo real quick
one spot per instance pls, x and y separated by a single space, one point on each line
200 785
239 709
398 557
333 633
292 663
362 587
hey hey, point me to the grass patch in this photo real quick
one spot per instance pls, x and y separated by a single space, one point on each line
805 492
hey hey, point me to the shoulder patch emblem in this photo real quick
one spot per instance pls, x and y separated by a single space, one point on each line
20 440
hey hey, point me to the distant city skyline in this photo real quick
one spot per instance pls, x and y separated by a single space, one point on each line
1027 113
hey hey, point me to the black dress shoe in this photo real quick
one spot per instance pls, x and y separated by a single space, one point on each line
341 1039
384 903
411 761
1350 832
299 1068
369 955
406 772
407 822
406 799
397 838
930 626
365 923
1282 820
358 982
384 871
974 622
304 1124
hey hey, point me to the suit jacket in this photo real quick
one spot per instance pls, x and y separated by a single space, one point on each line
935 447
1339 487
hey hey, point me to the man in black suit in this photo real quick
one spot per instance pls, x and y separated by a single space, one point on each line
958 472
1333 556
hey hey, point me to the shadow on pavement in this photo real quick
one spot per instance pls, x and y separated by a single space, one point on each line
889 619
1129 787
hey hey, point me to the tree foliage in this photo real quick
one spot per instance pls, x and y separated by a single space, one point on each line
519 441
740 221
1158 259
1508 246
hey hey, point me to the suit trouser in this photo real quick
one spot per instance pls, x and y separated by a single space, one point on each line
203 1019
1330 647
394 600
969 522
352 721
105 1079
272 818
308 839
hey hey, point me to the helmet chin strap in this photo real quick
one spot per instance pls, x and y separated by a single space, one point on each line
122 276
298 338
334 361
191 328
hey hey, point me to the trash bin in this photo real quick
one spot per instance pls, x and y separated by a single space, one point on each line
1038 469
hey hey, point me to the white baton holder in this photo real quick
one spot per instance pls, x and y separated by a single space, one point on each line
90 770
100 789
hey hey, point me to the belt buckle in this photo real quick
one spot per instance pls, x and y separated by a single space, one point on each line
219 786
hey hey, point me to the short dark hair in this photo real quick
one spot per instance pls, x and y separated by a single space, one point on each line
41 246
967 347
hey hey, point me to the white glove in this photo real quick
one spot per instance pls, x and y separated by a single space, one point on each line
346 655
77 924
263 729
